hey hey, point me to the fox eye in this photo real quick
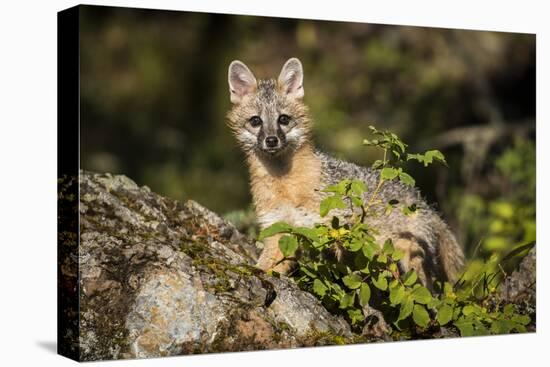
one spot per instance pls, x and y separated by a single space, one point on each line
255 121
284 119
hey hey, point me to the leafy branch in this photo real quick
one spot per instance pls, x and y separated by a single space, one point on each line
344 266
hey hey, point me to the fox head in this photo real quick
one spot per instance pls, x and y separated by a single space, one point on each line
268 117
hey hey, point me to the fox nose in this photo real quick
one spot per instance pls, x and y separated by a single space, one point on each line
271 141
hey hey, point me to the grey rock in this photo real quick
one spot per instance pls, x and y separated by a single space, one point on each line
159 278
149 276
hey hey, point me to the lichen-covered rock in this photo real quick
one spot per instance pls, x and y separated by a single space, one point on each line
148 276
160 278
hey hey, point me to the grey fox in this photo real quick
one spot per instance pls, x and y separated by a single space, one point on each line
273 127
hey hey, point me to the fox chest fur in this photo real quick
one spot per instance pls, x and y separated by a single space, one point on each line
287 189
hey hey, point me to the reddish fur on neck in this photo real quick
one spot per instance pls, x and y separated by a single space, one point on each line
292 181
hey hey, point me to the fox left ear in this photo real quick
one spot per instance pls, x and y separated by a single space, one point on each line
241 81
291 78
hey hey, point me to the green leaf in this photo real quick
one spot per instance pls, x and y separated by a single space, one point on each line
304 269
369 249
311 234
360 262
468 310
377 164
338 291
319 288
331 202
389 173
406 179
509 309
480 329
288 245
356 200
358 187
373 142
339 188
521 319
342 269
397 255
444 314
417 157
432 155
410 277
501 327
355 316
380 283
406 308
399 143
521 329
420 315
396 294
364 294
448 289
352 281
428 157
421 295
465 326
355 245
348 300
275 228
388 247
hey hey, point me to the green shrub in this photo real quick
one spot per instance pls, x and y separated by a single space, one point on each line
369 275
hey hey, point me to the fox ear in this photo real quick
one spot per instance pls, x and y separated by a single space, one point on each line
241 81
291 78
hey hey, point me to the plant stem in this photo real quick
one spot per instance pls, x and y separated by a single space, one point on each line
380 182
373 196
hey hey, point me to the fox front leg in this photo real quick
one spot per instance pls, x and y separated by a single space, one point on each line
414 258
272 257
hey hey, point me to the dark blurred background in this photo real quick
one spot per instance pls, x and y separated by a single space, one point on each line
154 96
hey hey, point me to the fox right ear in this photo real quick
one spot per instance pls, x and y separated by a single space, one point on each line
291 79
241 81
